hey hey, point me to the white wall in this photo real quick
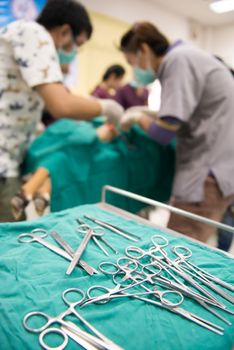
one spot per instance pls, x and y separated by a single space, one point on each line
173 25
217 40
222 43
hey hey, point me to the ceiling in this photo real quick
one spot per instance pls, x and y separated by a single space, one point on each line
197 10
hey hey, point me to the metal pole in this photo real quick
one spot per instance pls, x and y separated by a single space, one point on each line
164 206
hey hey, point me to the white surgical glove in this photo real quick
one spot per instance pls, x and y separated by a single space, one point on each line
132 116
112 110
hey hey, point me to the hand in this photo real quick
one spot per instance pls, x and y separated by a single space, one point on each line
134 115
129 119
112 110
106 132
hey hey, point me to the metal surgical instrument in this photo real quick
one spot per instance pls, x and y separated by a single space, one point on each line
98 233
80 250
89 269
38 235
130 236
101 342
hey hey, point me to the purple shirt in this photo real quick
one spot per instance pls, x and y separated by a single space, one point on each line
101 93
127 96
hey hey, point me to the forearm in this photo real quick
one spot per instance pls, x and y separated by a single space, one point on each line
76 107
62 104
160 130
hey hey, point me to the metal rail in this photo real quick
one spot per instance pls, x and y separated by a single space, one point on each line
172 209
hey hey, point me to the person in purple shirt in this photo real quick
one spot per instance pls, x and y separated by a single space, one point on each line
111 81
132 94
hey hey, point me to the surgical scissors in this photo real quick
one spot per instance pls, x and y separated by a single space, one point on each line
101 342
98 233
38 235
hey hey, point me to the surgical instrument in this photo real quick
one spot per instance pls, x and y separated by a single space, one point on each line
130 236
183 253
38 235
117 268
101 342
161 242
89 269
80 250
98 233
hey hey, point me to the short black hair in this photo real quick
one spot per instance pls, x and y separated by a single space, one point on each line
59 12
115 69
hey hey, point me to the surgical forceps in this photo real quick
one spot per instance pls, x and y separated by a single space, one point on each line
99 341
117 291
38 235
138 254
159 254
186 253
183 253
121 268
98 233
130 236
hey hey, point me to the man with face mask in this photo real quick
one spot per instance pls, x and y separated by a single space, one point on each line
197 104
31 79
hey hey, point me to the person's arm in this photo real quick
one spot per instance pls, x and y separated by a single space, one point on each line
133 114
61 103
162 130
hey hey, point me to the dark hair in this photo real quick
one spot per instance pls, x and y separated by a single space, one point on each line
144 32
116 70
59 12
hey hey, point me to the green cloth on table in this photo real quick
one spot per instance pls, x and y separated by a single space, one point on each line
33 278
80 165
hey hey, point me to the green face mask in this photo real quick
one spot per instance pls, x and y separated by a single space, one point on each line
144 76
66 57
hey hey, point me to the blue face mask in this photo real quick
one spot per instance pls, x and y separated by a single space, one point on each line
67 57
144 76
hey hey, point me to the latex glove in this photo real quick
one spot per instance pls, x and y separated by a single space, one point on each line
133 115
142 110
112 110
